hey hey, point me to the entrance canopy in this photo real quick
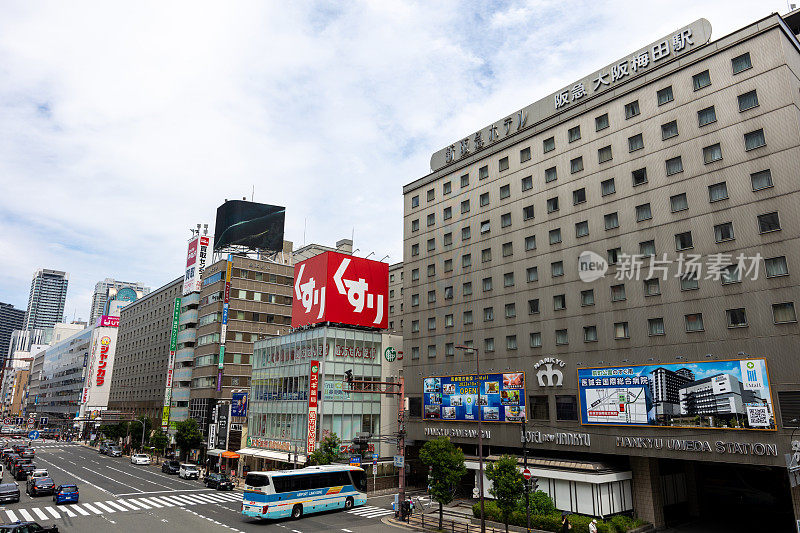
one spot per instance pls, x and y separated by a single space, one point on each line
269 454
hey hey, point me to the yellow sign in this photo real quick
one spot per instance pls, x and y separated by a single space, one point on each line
165 416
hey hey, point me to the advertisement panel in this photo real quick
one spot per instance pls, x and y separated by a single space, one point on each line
105 321
339 288
99 367
173 346
455 398
313 388
196 257
239 404
726 394
250 225
224 328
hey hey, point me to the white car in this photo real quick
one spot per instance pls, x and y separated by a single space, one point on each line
40 472
189 471
140 459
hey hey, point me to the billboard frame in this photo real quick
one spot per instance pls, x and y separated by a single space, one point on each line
482 420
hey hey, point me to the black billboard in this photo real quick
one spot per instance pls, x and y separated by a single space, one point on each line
249 224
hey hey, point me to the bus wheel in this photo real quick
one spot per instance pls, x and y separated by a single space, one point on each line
348 504
297 511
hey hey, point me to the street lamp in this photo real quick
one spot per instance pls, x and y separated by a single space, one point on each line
480 431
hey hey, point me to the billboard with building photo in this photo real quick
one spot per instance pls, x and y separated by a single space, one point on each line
455 398
728 394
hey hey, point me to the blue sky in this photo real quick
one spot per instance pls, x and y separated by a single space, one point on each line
124 124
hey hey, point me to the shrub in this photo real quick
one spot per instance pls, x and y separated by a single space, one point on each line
551 521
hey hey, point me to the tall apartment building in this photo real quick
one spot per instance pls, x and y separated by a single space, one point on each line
683 147
109 289
11 318
395 298
143 352
47 298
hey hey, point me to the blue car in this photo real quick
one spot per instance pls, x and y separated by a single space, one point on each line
66 494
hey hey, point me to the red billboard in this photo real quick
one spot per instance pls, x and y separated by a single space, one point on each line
339 288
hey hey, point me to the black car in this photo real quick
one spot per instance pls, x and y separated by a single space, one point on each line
9 492
27 527
103 448
219 482
40 485
20 470
27 453
171 467
9 458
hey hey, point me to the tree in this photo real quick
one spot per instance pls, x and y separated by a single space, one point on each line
328 451
136 430
159 441
446 467
187 436
507 485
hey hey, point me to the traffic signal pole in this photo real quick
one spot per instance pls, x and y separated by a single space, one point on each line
527 484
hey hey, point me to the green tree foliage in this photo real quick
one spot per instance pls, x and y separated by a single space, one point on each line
507 485
159 441
328 451
446 468
136 430
187 436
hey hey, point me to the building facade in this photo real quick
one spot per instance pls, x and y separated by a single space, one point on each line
109 289
11 318
522 244
395 298
47 298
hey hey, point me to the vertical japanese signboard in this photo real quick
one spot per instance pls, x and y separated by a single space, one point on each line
224 329
173 346
313 388
195 263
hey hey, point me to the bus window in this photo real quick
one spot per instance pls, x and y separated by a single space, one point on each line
257 481
359 480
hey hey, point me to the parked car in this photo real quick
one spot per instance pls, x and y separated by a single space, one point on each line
114 451
66 494
219 482
40 485
28 453
188 471
9 492
103 448
171 466
27 527
40 472
140 459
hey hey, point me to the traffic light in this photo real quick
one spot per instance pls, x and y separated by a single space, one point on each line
534 484
361 443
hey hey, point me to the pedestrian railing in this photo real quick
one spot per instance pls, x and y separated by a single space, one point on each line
430 522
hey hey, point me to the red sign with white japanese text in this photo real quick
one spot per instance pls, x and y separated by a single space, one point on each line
106 321
313 388
101 366
343 289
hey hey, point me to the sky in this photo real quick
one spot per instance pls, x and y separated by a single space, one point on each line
124 124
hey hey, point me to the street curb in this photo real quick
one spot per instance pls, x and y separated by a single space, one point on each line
399 525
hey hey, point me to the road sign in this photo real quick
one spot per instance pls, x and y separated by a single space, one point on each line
30 425
374 458
19 421
399 461
43 421
7 421
33 435
355 461
526 474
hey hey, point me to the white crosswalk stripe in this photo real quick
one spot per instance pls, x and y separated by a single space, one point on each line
92 509
78 508
104 507
11 516
150 501
140 503
162 501
40 514
116 505
52 512
26 515
128 504
369 511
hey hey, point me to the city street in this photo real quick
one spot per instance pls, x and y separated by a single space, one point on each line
118 496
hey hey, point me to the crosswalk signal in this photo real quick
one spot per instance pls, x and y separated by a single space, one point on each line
534 484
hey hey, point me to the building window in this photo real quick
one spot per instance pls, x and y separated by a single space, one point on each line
578 196
511 342
447 187
415 352
741 63
465 233
776 266
557 269
607 187
723 232
555 236
604 154
448 292
566 407
431 195
706 116
601 122
674 165
632 109
511 310
466 288
505 220
559 302
689 281
712 153
502 164
449 349
466 261
525 154
487 284
532 274
548 145
508 279
652 287
431 219
527 212
768 222
431 350
536 340
590 334
552 204
748 100
550 174
483 172
414 250
643 212
669 130
431 270
486 227
527 183
635 143
694 322
582 229
464 180
639 176
574 134
533 306
415 225
647 247
415 326
737 318
576 165
505 191
562 337
717 192
447 214
508 249
613 255
467 318
731 274
611 220
754 139
678 202
664 96
432 297
783 313
431 323
683 241
414 300
587 298
701 80
448 321
618 293
414 201
486 255
540 407
530 243
655 326
431 245
621 330
488 314
484 199
465 207
761 180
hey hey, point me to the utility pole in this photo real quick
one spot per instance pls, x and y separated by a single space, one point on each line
527 485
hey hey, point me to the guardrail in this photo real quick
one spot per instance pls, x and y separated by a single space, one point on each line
430 522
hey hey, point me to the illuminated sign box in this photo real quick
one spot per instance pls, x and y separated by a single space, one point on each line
455 398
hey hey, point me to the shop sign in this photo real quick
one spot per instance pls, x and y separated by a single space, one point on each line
390 354
703 446
558 438
547 374
101 365
457 432
313 388
333 390
268 444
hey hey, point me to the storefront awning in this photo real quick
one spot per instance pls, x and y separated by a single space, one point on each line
214 451
591 472
229 455
270 454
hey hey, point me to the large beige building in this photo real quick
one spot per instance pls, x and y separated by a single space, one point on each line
685 147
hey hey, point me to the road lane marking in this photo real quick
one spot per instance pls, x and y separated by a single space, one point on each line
11 516
81 511
68 512
204 498
40 514
346 530
105 508
176 491
92 509
79 478
151 502
26 515
140 503
128 504
137 477
172 500
162 501
52 512
116 505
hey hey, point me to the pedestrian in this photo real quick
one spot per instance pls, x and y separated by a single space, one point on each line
593 526
410 508
565 525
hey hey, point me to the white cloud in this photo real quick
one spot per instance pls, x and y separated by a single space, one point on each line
124 124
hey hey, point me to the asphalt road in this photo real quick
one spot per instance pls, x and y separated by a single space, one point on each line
118 496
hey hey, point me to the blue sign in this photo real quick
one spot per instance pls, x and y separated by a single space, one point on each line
679 395
355 461
374 458
33 435
399 461
502 397
239 404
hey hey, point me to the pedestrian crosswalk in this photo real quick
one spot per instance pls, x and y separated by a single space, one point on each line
369 511
175 499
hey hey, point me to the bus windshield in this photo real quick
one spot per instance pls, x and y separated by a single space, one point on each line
256 481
